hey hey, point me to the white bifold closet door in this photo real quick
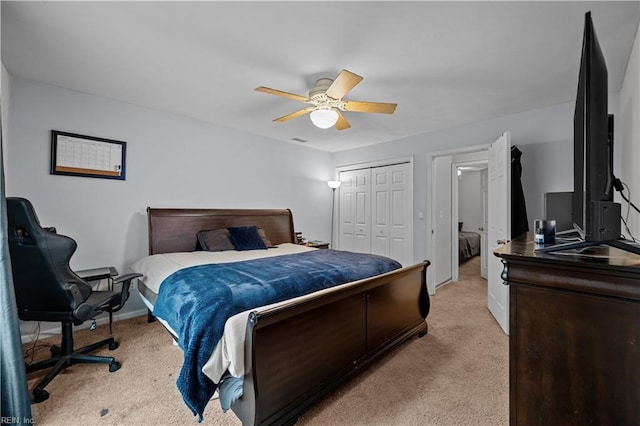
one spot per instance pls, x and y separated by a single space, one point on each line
376 211
355 211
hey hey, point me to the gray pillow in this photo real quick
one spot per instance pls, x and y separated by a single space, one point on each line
215 240
263 235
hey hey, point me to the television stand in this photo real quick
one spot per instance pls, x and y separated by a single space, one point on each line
619 244
573 337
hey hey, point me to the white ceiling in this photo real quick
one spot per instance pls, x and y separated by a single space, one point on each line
445 64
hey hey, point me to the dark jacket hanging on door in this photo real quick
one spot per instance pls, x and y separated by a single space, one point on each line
519 221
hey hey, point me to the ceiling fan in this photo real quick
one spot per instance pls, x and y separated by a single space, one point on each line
327 103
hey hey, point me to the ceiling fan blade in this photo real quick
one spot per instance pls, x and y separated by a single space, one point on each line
283 94
345 81
342 122
294 114
378 107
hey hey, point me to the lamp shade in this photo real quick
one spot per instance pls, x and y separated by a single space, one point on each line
324 118
333 184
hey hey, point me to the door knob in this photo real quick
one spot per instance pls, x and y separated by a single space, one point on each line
501 242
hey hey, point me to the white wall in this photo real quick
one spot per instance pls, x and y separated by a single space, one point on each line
440 210
172 161
627 134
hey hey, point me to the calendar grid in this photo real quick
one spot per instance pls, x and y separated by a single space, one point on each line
86 156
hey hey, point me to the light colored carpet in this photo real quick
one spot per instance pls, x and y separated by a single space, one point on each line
455 375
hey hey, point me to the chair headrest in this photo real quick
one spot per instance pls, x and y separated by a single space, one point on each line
20 213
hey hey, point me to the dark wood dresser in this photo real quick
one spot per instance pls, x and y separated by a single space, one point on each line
574 344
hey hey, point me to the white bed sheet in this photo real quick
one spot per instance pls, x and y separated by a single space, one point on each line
229 352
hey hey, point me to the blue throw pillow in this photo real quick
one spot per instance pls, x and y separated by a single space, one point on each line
246 238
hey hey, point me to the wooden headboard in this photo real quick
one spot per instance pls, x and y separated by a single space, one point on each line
174 230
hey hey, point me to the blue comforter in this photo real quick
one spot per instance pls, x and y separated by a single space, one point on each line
197 301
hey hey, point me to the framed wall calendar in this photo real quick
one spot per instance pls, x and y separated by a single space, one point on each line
87 156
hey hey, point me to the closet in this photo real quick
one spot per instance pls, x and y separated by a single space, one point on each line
375 211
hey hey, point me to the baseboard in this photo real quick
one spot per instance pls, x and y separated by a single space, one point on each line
49 329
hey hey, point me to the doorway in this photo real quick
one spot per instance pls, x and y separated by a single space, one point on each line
470 212
444 227
447 169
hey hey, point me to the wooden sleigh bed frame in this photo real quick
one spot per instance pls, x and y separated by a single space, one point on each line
298 352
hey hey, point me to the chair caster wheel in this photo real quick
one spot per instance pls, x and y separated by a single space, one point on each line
113 345
114 366
55 351
40 395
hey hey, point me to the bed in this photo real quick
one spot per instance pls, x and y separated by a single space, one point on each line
468 245
283 356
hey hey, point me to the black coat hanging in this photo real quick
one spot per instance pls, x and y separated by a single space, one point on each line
519 221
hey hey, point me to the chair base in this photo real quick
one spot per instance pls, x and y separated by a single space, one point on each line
64 356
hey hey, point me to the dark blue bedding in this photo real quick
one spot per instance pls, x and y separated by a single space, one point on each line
197 301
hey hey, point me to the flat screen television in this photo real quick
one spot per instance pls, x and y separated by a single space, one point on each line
595 215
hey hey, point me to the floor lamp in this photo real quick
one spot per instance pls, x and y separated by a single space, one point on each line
333 184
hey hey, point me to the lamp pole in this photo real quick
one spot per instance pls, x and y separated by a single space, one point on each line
333 184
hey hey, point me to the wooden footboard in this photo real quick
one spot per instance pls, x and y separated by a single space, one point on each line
299 352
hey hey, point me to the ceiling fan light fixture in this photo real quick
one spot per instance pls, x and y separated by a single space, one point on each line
327 102
324 118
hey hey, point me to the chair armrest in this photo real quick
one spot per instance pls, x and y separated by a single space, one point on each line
125 280
96 274
126 277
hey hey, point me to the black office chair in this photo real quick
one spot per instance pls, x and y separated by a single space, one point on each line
48 290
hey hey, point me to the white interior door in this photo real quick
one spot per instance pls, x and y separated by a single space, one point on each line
499 212
380 211
401 211
391 212
347 211
484 248
355 211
